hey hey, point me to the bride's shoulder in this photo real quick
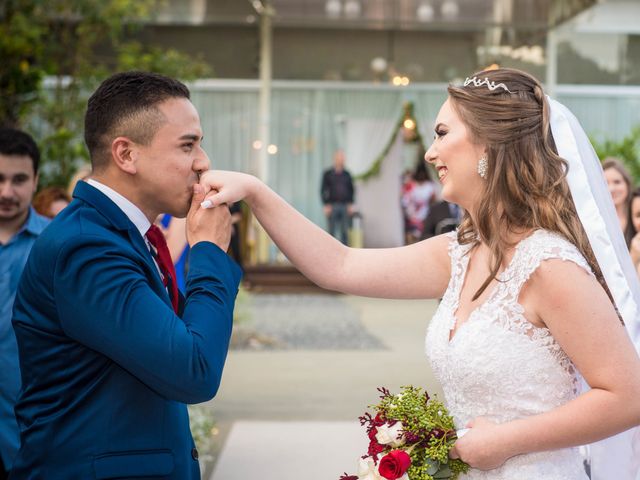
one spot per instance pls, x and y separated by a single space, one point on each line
547 241
544 246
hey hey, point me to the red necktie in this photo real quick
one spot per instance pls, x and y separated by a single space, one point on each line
163 258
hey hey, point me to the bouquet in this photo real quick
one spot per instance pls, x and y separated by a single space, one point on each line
410 438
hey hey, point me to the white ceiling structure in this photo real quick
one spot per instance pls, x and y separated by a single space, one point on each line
437 15
426 14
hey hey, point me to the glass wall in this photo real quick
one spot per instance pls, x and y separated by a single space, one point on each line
598 58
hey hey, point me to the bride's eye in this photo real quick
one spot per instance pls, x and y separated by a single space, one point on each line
439 134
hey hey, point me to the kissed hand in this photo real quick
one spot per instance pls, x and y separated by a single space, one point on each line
208 225
483 446
225 187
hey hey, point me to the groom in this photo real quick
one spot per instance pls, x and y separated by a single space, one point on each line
110 351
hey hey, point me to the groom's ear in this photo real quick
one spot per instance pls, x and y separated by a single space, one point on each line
125 153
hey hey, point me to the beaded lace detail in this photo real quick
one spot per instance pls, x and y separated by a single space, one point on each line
499 365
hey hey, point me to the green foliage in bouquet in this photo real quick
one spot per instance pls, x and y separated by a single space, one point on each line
427 422
410 438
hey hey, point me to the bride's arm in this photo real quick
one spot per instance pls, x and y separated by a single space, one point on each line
420 270
581 318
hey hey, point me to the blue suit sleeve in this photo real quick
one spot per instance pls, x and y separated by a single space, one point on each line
105 302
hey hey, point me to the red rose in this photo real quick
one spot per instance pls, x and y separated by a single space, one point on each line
394 464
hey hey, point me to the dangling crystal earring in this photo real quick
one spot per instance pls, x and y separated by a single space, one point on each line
483 166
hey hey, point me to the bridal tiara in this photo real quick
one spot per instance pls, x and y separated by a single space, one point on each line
490 85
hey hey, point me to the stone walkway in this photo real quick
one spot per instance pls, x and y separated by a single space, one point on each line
292 413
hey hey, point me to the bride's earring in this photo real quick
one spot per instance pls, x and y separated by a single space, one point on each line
483 166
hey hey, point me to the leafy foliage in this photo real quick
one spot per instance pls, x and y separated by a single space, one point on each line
21 46
428 433
63 40
203 429
134 56
627 150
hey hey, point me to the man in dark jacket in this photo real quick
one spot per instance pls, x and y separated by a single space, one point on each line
337 196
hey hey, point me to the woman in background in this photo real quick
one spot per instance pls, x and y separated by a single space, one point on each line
634 247
620 186
50 201
419 193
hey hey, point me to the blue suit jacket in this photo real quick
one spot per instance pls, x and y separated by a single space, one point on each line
107 366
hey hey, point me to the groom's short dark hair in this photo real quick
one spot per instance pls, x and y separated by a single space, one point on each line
125 104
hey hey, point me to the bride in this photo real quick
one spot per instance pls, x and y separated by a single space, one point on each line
533 291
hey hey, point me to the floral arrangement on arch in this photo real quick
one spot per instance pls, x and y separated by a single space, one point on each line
409 439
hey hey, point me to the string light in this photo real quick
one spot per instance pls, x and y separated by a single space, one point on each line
400 80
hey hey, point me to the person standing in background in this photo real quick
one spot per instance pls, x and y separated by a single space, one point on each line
419 193
235 248
443 217
50 201
620 186
20 225
82 173
634 215
337 193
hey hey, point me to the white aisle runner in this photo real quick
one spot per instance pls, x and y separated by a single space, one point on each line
291 451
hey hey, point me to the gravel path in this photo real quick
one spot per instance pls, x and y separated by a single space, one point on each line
305 322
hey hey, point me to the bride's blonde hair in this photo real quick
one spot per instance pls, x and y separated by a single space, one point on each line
525 187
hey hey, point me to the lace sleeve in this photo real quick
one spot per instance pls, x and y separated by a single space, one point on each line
542 246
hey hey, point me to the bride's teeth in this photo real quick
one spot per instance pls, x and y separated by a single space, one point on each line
442 172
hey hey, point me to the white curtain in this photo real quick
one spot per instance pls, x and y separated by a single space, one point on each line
310 120
378 199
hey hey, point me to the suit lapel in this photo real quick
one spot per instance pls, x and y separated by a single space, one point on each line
110 211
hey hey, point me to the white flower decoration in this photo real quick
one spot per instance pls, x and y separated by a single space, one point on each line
391 435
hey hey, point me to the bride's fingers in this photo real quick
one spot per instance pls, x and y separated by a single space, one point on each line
213 199
453 453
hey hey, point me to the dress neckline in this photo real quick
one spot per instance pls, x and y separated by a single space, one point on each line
456 325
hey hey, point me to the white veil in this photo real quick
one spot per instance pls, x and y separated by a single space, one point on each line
619 456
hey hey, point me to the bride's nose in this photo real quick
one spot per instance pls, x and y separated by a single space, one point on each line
430 155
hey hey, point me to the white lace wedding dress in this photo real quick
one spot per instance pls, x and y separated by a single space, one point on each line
500 366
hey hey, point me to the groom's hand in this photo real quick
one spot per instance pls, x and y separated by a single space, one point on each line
208 224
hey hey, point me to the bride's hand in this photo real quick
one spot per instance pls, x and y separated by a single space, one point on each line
225 187
483 446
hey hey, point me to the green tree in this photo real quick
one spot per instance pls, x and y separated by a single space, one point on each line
21 43
65 39
627 150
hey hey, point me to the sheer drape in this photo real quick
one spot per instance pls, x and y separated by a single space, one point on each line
310 120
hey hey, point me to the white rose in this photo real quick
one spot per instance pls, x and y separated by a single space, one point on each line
390 435
367 469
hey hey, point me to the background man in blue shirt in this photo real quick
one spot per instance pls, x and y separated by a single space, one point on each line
20 225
